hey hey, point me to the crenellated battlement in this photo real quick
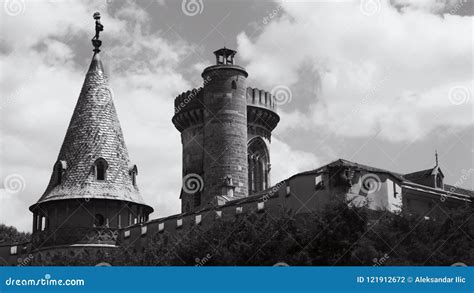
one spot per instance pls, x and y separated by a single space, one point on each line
188 109
267 201
262 117
188 100
260 98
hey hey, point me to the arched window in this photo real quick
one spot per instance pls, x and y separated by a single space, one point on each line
258 165
234 85
58 171
101 169
99 220
133 171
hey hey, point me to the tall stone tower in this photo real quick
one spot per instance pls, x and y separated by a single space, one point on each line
93 190
218 122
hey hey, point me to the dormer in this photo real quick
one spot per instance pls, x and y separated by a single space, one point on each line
58 172
432 177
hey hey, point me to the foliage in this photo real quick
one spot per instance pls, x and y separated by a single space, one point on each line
340 235
10 235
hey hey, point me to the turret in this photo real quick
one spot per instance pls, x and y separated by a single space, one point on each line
225 126
93 189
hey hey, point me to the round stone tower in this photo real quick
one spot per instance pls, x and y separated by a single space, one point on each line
225 126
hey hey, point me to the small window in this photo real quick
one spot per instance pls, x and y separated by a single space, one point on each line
144 230
58 171
13 250
288 190
318 181
179 223
100 169
238 210
439 181
198 219
161 227
234 85
133 171
99 220
218 214
260 206
134 179
43 223
126 233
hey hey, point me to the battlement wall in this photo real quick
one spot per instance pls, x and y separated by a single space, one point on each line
269 200
261 98
188 100
188 109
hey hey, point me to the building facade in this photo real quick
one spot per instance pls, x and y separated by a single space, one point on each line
92 201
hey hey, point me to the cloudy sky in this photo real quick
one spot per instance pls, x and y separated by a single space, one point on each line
378 82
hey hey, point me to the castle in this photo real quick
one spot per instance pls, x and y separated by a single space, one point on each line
93 202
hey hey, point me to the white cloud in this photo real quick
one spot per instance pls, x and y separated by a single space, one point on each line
390 72
287 162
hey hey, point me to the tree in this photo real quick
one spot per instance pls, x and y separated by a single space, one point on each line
340 235
10 235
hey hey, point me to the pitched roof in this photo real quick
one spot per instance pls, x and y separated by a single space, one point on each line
454 189
411 177
423 173
94 132
346 163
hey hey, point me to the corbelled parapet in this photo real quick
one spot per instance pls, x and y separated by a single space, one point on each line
262 117
188 108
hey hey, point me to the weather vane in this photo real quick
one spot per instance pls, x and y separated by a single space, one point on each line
98 28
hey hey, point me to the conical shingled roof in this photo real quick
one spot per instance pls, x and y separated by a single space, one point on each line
94 132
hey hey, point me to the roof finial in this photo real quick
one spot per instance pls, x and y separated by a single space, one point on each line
98 28
436 157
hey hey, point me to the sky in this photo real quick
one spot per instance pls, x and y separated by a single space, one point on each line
378 82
